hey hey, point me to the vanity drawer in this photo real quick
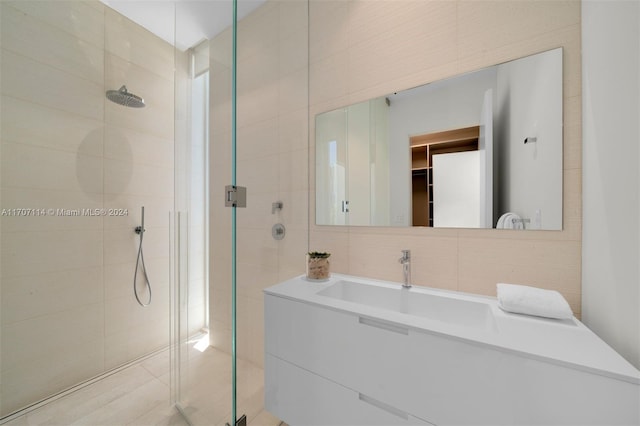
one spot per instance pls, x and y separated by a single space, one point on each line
432 377
360 353
300 397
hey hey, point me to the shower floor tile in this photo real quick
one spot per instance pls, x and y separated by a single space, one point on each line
139 395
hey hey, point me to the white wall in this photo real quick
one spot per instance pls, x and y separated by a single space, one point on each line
611 183
529 176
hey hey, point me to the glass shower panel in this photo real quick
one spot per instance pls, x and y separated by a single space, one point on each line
272 162
204 376
221 374
76 171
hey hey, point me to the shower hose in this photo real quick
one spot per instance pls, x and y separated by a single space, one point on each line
140 263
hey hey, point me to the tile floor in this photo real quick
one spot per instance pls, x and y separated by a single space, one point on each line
140 395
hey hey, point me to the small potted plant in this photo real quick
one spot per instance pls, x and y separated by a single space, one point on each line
318 265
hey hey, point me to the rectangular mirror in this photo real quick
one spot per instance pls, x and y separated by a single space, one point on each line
480 150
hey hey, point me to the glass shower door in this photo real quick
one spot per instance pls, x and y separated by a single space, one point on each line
203 340
272 163
258 139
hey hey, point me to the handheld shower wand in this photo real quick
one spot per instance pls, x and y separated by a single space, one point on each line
140 231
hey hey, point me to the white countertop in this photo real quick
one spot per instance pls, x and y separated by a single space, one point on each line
564 342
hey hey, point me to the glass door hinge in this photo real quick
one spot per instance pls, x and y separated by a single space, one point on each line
242 421
235 196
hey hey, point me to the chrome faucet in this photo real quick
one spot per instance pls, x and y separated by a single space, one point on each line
405 260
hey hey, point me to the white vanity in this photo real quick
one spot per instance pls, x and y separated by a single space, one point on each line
355 351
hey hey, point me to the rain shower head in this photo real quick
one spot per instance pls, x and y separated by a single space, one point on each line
123 97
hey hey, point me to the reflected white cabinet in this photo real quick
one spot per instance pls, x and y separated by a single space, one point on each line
456 197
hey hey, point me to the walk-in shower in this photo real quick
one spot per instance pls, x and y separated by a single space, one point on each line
76 167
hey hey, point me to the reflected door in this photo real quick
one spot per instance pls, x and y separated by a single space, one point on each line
485 146
332 163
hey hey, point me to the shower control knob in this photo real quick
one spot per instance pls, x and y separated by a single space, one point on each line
278 231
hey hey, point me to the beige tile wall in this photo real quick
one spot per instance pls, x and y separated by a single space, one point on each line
67 307
361 49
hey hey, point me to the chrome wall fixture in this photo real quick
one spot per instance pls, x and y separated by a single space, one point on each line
140 263
278 231
123 97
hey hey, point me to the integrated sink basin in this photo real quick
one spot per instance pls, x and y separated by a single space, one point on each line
412 301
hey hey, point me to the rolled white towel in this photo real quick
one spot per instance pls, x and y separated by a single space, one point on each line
500 223
513 222
522 299
506 221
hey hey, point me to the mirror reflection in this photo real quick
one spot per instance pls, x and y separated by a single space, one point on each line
480 150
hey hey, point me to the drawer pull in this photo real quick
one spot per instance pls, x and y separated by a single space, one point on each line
384 325
381 405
